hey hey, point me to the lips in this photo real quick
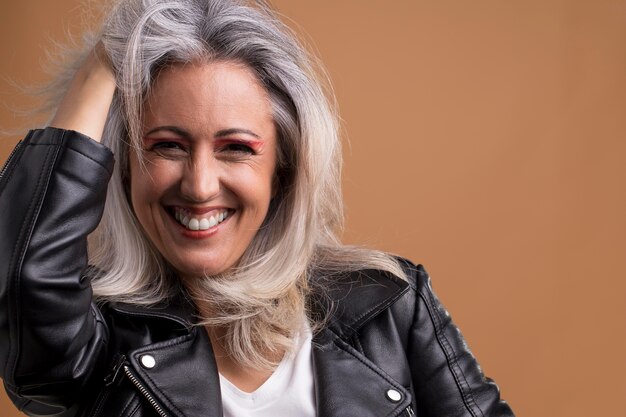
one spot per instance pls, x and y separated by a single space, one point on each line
193 221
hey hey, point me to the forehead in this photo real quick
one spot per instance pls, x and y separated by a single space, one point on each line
223 89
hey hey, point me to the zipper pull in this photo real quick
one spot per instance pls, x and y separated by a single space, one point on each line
118 362
410 412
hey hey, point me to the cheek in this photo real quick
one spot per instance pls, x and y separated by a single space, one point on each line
254 186
151 182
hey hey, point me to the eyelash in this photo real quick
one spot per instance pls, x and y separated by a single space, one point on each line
238 148
166 145
235 147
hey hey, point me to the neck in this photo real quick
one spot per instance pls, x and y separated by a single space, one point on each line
247 379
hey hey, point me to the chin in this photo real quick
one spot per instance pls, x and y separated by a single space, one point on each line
201 271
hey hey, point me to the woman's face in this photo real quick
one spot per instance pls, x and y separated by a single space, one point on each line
210 159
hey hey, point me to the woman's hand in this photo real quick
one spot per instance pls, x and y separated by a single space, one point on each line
86 103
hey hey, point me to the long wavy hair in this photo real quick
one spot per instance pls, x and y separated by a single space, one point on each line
262 302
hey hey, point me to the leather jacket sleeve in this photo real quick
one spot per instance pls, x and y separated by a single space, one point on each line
446 377
52 337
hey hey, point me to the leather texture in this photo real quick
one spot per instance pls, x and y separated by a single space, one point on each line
62 355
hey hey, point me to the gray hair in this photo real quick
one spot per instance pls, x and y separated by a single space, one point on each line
262 303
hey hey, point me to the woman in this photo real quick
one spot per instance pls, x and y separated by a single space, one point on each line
218 285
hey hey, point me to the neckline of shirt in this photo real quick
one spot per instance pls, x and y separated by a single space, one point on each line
275 385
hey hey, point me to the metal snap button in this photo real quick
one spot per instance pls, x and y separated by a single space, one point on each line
148 361
393 395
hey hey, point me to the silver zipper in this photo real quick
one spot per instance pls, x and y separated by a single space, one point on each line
144 392
11 155
410 412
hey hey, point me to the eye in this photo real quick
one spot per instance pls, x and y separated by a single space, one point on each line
166 148
166 145
237 148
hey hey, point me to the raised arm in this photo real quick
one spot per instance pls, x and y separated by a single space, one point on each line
85 106
52 193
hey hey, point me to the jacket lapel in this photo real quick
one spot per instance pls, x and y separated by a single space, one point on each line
184 379
346 382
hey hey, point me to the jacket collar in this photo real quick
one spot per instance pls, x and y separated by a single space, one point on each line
345 379
345 302
177 312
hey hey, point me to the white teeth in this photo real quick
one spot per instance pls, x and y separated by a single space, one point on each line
199 223
194 224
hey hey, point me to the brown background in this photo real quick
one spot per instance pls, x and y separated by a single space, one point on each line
487 141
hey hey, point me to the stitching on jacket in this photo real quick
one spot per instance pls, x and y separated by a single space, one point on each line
68 146
461 381
100 401
359 318
348 350
183 339
466 392
389 300
134 403
357 344
11 364
160 315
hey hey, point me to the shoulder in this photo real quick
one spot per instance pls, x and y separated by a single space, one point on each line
416 274
351 299
372 285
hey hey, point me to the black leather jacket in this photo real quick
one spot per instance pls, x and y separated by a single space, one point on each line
389 348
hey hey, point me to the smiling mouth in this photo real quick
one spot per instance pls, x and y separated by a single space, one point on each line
198 222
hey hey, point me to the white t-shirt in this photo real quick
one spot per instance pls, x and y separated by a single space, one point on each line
289 391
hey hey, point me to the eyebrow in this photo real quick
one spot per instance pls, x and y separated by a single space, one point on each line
173 129
219 134
228 132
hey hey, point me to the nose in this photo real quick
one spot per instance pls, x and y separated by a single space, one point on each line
200 182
